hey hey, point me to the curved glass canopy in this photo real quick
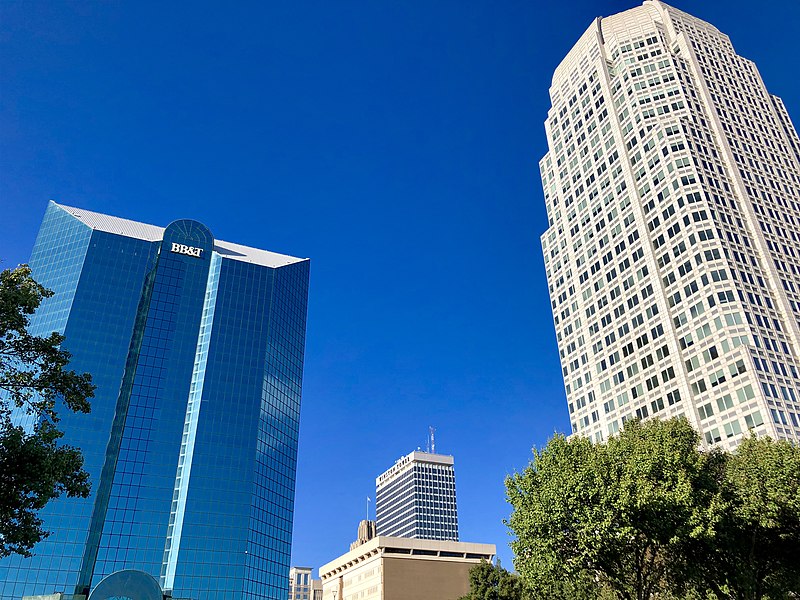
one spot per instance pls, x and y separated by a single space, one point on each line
129 585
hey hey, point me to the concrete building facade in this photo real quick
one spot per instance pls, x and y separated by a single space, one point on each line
672 188
416 498
366 531
302 586
392 568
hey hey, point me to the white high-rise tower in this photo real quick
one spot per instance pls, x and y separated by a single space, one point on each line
672 185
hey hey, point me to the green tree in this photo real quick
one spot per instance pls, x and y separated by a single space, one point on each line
622 518
755 554
493 582
34 381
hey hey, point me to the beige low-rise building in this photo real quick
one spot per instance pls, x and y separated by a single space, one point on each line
393 568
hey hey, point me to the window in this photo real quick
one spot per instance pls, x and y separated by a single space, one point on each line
705 411
737 368
717 378
754 420
699 386
673 397
746 393
724 403
733 428
713 436
710 354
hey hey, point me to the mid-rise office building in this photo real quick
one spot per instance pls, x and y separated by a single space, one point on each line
196 348
300 583
672 187
302 586
416 498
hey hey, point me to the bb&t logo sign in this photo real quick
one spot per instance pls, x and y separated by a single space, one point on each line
187 250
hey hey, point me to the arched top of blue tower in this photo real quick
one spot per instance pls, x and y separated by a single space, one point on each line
188 237
190 230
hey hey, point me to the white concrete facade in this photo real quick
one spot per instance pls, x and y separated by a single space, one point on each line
302 586
672 186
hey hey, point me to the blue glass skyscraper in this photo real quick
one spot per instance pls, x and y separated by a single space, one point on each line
196 347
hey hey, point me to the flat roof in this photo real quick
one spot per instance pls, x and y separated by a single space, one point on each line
383 545
154 233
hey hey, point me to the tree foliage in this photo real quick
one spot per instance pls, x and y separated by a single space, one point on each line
34 382
648 515
756 553
493 582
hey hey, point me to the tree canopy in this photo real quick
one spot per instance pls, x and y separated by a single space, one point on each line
756 553
647 514
34 383
493 582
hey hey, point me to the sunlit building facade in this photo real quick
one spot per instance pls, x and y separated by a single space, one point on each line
416 498
302 586
196 347
672 187
399 568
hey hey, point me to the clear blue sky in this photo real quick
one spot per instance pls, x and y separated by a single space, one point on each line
395 143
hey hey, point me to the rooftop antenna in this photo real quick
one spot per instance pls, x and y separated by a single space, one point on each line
431 441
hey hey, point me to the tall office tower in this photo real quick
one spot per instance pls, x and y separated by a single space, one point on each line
416 498
196 347
672 185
